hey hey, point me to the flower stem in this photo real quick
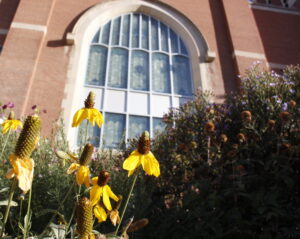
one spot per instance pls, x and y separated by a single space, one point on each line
20 214
10 197
126 203
28 214
4 146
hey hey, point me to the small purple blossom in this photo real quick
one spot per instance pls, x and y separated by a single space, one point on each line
10 105
272 84
44 111
292 91
34 107
4 107
284 106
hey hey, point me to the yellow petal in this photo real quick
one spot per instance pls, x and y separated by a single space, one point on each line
100 213
150 164
132 162
83 175
23 170
95 194
110 193
98 117
95 180
79 116
6 126
73 167
105 197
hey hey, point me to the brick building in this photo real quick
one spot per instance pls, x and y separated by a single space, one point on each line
140 57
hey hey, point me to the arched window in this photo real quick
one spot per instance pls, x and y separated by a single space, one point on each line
139 68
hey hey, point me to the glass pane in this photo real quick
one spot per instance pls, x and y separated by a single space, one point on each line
160 73
105 33
164 37
183 48
125 31
93 135
114 130
174 41
139 74
96 37
137 125
116 31
145 32
154 34
158 126
96 68
118 68
182 76
135 31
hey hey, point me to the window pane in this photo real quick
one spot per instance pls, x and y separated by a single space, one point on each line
158 126
137 125
135 31
116 31
154 34
118 68
105 33
182 76
174 41
164 37
183 48
114 130
96 37
139 74
145 32
125 31
93 134
160 73
96 68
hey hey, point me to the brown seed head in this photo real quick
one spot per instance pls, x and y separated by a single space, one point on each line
241 137
223 138
292 103
284 116
246 115
144 143
84 215
90 100
86 155
271 124
209 127
11 115
29 137
103 178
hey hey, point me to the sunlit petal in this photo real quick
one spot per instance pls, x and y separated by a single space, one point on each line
76 118
106 200
151 165
100 213
95 194
82 175
133 161
94 180
73 167
111 194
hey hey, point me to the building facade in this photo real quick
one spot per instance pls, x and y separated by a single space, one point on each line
139 57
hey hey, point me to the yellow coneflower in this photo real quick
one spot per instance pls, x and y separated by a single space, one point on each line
11 123
84 214
83 172
21 162
88 112
101 192
246 115
142 156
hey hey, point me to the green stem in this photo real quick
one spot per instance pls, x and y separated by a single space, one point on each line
126 204
10 197
5 143
28 217
20 214
60 206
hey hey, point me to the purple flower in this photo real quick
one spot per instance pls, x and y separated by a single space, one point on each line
292 91
272 84
34 107
44 111
4 107
284 106
10 105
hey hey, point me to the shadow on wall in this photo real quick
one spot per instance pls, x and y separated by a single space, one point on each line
8 9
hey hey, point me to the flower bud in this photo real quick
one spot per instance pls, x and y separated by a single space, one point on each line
90 100
29 137
144 143
86 155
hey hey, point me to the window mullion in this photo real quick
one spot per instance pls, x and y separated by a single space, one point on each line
120 31
171 68
150 75
140 31
106 79
159 35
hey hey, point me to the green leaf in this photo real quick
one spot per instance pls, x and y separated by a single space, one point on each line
5 202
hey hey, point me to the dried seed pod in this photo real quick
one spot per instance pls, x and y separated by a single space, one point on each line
86 155
223 138
246 115
103 178
144 143
90 100
84 214
209 127
271 124
29 137
284 116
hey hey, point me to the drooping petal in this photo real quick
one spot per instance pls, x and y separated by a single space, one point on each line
15 124
95 194
82 175
23 169
100 213
6 126
111 194
105 197
132 162
84 115
76 118
73 167
98 117
95 180
150 165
